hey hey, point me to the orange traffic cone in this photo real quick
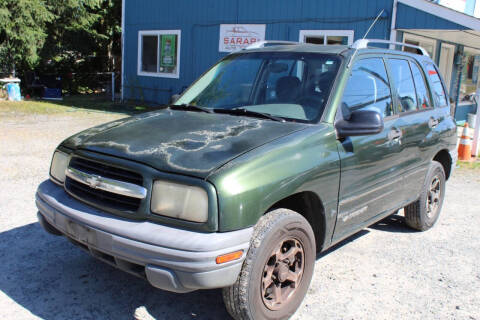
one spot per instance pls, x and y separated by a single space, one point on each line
465 146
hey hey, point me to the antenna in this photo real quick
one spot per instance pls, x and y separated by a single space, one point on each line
373 23
364 36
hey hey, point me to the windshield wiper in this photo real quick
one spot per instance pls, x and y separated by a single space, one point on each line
234 111
189 107
246 112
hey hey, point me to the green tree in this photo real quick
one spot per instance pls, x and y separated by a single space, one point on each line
71 35
60 36
22 32
109 25
85 34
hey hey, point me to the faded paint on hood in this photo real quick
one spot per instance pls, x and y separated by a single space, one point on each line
190 143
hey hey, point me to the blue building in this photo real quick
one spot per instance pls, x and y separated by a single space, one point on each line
168 44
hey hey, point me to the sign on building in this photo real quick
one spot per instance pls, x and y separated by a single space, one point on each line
235 37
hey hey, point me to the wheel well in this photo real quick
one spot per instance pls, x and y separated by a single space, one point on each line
309 205
445 160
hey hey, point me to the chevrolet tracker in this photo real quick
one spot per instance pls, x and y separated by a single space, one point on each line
276 153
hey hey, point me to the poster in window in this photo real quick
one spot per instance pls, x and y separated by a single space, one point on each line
168 50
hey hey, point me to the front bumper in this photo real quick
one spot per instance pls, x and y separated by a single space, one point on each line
169 258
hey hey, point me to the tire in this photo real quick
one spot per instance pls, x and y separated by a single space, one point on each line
422 214
278 234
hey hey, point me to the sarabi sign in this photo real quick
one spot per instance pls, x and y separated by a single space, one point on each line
234 37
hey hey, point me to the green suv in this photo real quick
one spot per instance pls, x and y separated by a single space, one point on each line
274 154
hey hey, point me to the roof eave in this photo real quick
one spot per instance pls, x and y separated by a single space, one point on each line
468 21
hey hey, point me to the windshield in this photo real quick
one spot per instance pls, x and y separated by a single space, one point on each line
291 85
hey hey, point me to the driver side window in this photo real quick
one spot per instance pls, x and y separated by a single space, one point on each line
368 88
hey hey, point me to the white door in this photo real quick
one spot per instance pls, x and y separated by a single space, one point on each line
446 62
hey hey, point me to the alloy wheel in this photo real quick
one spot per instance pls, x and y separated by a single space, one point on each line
282 274
433 197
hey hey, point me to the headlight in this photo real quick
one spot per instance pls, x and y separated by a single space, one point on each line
179 201
59 165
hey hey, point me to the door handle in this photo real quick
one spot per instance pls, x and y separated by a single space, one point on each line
432 122
394 134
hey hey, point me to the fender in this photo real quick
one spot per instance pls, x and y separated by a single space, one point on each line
249 185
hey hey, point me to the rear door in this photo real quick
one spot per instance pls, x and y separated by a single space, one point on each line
442 124
416 116
371 178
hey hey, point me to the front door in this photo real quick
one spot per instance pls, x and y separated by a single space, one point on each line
370 165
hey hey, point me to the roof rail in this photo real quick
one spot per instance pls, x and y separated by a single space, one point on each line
267 43
363 44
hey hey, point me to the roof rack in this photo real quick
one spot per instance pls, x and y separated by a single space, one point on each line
267 43
363 44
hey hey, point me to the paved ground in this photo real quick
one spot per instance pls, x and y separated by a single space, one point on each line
383 272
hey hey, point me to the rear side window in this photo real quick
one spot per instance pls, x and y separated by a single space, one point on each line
438 91
368 88
422 92
403 80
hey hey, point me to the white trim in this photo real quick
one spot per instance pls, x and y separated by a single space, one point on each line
447 74
444 13
325 33
476 132
123 52
142 33
393 31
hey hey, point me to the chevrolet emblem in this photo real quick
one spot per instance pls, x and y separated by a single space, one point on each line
93 181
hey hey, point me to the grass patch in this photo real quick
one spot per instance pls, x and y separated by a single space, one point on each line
81 103
470 165
31 107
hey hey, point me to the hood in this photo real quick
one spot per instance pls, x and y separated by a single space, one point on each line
185 142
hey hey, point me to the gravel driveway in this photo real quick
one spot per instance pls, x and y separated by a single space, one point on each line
383 272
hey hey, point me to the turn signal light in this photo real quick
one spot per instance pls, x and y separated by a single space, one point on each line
229 257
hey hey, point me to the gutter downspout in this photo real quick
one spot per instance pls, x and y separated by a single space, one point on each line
393 32
123 52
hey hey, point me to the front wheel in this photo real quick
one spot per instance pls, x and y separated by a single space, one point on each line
277 270
422 214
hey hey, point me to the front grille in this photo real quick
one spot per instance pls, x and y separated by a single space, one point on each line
101 198
105 171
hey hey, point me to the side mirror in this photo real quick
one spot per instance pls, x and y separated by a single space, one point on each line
174 98
360 123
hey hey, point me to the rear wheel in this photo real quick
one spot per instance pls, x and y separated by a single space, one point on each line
277 270
422 214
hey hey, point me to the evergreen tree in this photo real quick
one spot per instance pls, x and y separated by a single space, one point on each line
22 32
109 25
71 35
59 36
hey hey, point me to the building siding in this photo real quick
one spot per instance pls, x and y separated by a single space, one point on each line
200 22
